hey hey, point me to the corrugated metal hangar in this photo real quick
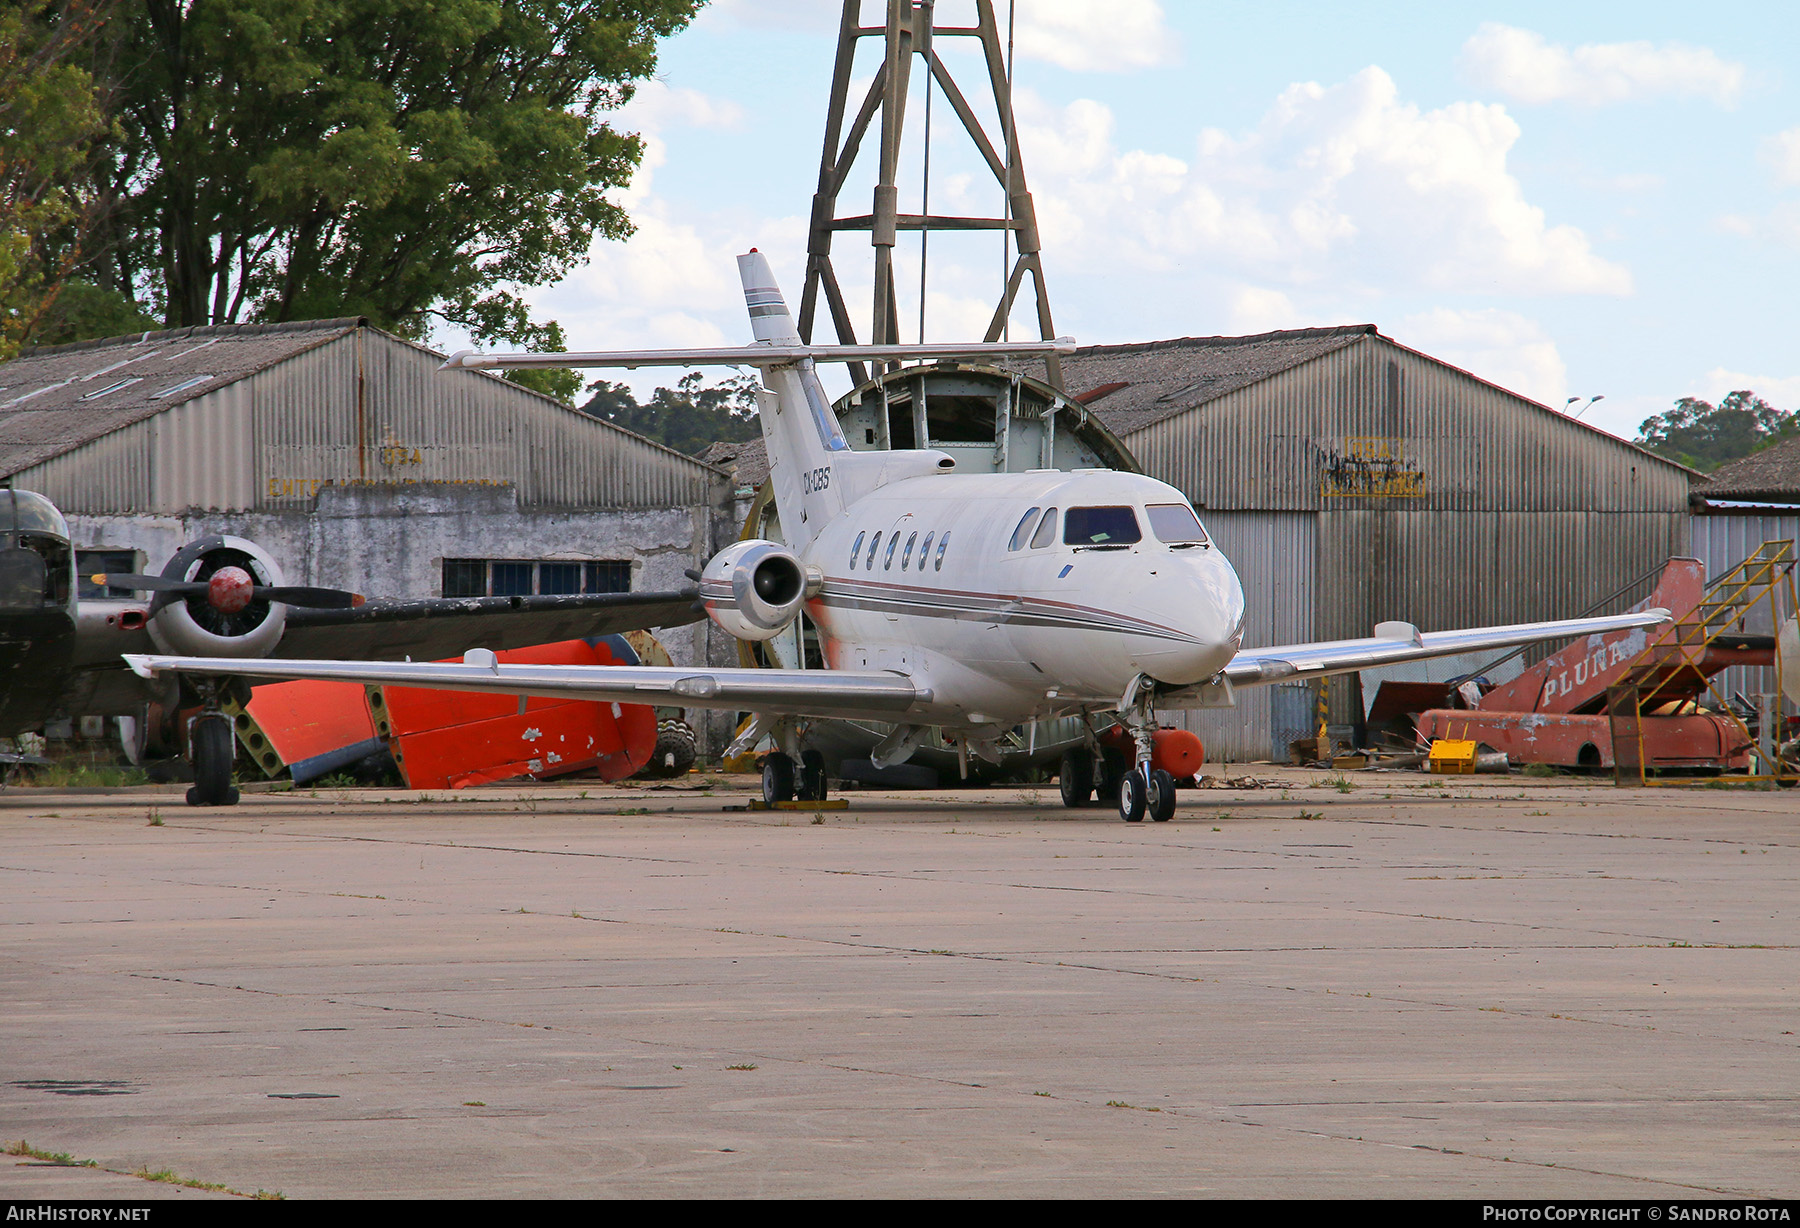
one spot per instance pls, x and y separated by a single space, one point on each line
1351 480
354 461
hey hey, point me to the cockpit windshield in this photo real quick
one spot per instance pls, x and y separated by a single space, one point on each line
31 513
36 565
1175 524
1101 526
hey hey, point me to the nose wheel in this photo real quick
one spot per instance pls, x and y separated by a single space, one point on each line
1144 790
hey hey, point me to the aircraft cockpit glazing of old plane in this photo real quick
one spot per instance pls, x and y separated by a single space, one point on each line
37 567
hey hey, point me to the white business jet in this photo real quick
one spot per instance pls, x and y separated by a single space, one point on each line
970 603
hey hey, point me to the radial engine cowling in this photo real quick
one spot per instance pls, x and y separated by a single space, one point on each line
755 588
226 620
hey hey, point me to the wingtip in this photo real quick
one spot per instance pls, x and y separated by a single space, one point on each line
139 664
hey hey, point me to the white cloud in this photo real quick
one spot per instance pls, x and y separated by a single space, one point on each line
1783 392
1094 35
1779 227
1346 184
1080 35
1781 153
1502 347
1256 309
1527 67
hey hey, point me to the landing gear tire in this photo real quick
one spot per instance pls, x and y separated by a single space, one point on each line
211 747
812 776
1077 777
1161 802
778 778
1133 799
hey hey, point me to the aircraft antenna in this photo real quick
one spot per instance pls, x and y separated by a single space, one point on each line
911 30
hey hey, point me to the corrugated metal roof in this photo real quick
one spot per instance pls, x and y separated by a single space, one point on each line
1157 378
58 398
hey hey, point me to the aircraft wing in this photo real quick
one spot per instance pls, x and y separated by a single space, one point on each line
447 626
1397 642
824 693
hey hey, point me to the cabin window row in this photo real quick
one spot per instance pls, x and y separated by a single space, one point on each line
893 549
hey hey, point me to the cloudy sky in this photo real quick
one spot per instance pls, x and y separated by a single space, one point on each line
1567 199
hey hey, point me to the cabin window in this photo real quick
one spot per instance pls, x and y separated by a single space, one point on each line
1046 532
1176 524
906 554
1023 532
1100 526
925 550
943 544
887 564
857 548
874 549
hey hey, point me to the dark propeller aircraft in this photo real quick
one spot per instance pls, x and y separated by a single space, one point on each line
225 596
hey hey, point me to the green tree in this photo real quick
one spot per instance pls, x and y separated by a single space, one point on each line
689 417
50 117
412 161
1704 436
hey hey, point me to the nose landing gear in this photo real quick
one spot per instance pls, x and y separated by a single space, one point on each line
1145 790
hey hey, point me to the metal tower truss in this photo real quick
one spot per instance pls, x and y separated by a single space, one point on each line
1672 673
911 30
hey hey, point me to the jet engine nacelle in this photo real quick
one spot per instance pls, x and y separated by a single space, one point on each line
755 588
226 621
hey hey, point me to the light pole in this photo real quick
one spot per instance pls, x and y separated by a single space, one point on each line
1584 408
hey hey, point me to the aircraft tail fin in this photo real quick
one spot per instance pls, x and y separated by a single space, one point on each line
770 321
804 440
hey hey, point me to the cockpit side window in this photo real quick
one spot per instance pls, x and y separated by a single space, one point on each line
1046 532
1023 532
1176 524
1101 526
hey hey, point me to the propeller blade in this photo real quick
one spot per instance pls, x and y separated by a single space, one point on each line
316 598
149 584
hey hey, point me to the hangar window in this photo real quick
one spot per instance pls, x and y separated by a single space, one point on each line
534 577
89 563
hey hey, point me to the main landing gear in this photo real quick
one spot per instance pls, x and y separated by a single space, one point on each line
784 780
213 749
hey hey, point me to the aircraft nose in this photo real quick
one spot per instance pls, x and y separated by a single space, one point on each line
1197 606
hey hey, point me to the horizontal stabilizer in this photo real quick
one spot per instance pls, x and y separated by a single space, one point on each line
763 355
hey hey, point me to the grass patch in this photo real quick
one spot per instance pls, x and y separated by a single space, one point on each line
743 1066
81 776
23 1148
633 810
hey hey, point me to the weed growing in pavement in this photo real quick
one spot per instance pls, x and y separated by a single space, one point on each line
153 818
